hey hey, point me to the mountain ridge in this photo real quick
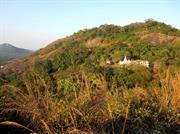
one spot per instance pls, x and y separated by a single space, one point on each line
9 52
151 32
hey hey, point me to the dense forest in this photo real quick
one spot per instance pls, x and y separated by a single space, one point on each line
67 87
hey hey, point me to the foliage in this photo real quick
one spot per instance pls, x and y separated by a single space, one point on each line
95 111
68 86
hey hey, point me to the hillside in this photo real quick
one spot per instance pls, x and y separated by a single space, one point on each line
77 84
9 52
110 40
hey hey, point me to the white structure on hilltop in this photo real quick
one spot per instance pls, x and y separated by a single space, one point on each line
1 67
144 63
108 62
125 61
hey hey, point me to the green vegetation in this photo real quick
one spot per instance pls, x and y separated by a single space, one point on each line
67 87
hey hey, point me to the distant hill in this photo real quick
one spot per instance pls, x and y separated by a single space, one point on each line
9 52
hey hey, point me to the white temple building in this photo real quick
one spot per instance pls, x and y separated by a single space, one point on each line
125 61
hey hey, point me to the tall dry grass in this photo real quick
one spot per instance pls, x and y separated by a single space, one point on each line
29 107
94 111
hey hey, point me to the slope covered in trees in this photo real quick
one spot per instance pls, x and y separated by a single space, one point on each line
151 40
67 86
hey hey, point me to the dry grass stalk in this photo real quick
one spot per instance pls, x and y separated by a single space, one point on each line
16 125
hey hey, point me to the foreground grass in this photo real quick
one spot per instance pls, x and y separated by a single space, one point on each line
121 110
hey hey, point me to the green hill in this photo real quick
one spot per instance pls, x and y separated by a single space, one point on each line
68 86
152 41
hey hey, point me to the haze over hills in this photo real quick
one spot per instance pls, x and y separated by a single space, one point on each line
9 52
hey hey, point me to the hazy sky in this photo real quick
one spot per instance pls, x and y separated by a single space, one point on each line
33 24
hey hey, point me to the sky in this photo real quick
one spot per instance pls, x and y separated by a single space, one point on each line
33 24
